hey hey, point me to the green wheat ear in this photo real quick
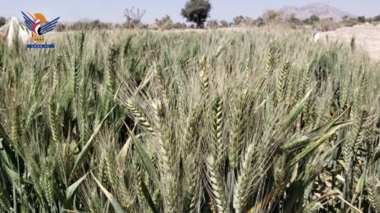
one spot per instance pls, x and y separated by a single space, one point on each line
238 131
48 185
16 127
192 179
217 128
204 79
80 43
161 82
270 60
137 113
112 68
54 122
282 80
217 185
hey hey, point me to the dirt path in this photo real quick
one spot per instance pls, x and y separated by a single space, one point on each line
367 38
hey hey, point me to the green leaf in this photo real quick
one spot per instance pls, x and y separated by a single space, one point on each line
296 111
124 150
313 135
88 145
147 196
8 153
71 189
116 205
144 157
317 143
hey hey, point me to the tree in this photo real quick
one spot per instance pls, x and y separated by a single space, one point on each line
293 19
197 11
133 18
345 18
313 19
60 27
361 19
238 20
213 24
272 16
248 22
259 21
179 25
223 23
165 23
3 20
376 18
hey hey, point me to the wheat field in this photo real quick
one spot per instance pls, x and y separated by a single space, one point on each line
220 121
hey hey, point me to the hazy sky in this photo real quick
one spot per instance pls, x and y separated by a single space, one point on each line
113 10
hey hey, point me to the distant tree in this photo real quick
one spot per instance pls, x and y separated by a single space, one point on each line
133 19
3 20
238 20
197 11
271 16
376 18
249 22
313 19
293 19
326 24
351 22
259 21
345 18
213 24
361 19
165 23
60 27
306 21
179 25
223 23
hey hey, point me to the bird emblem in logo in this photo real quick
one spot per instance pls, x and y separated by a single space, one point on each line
38 24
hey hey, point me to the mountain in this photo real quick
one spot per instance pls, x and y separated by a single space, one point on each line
320 10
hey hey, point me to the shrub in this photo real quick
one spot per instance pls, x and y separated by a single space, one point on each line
248 22
272 16
259 21
213 24
133 18
326 24
361 19
3 21
350 22
60 27
223 23
165 23
376 18
238 20
179 25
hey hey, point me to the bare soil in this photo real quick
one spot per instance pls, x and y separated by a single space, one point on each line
367 38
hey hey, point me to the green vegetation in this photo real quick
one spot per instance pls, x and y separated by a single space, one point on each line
197 11
3 20
134 121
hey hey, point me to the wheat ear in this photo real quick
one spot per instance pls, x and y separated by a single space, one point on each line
216 184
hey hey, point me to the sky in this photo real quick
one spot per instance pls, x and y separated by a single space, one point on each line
113 10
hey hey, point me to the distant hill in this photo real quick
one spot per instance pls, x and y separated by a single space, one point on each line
320 10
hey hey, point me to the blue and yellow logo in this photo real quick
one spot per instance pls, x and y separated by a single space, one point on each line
39 26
